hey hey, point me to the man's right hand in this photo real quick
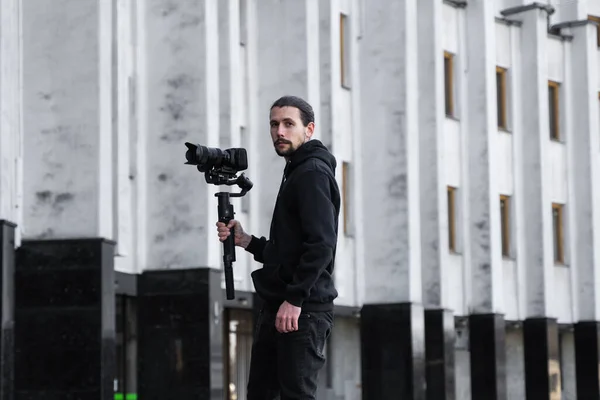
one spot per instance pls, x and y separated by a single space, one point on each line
241 238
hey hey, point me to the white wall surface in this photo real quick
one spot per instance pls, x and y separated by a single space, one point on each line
390 115
68 170
11 137
67 129
182 94
71 171
507 152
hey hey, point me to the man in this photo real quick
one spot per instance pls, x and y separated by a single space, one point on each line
296 280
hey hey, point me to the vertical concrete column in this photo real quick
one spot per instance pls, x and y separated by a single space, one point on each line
10 182
328 55
541 348
255 118
64 279
231 83
67 85
10 113
587 358
487 333
392 316
7 284
65 318
180 340
339 45
540 331
237 98
179 85
584 165
180 93
439 320
288 64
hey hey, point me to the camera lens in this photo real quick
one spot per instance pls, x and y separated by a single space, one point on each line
209 157
191 155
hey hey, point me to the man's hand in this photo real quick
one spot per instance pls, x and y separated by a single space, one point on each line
287 318
241 238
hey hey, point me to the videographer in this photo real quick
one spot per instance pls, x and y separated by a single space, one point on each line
296 280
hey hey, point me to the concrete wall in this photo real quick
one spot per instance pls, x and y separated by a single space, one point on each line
11 146
561 56
130 186
515 366
94 117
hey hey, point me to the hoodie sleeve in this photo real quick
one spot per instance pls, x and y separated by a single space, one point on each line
319 237
257 247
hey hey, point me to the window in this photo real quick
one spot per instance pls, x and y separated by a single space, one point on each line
239 326
505 224
596 20
449 83
346 193
557 222
344 51
501 97
451 219
553 109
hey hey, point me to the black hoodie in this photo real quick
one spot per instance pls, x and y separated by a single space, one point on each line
299 256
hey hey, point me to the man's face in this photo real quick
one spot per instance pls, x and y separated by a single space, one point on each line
287 131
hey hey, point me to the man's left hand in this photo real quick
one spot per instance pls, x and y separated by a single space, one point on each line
287 318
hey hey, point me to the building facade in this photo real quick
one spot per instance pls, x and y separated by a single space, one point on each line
467 135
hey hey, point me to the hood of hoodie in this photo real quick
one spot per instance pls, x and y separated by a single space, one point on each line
312 149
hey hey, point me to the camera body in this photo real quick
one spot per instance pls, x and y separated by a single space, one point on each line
220 166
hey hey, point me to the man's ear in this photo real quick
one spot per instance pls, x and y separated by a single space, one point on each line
310 129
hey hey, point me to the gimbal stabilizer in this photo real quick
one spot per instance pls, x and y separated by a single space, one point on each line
220 168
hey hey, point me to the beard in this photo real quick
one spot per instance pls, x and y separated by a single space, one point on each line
285 151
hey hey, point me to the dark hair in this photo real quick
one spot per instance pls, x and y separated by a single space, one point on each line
306 111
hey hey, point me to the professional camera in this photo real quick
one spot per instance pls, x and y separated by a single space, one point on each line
220 166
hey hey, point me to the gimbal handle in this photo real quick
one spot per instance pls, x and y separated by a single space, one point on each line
226 213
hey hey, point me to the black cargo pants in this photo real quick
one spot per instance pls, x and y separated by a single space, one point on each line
286 366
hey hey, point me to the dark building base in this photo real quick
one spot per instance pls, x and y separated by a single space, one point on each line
439 355
542 366
587 359
7 266
180 322
393 351
487 338
64 320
